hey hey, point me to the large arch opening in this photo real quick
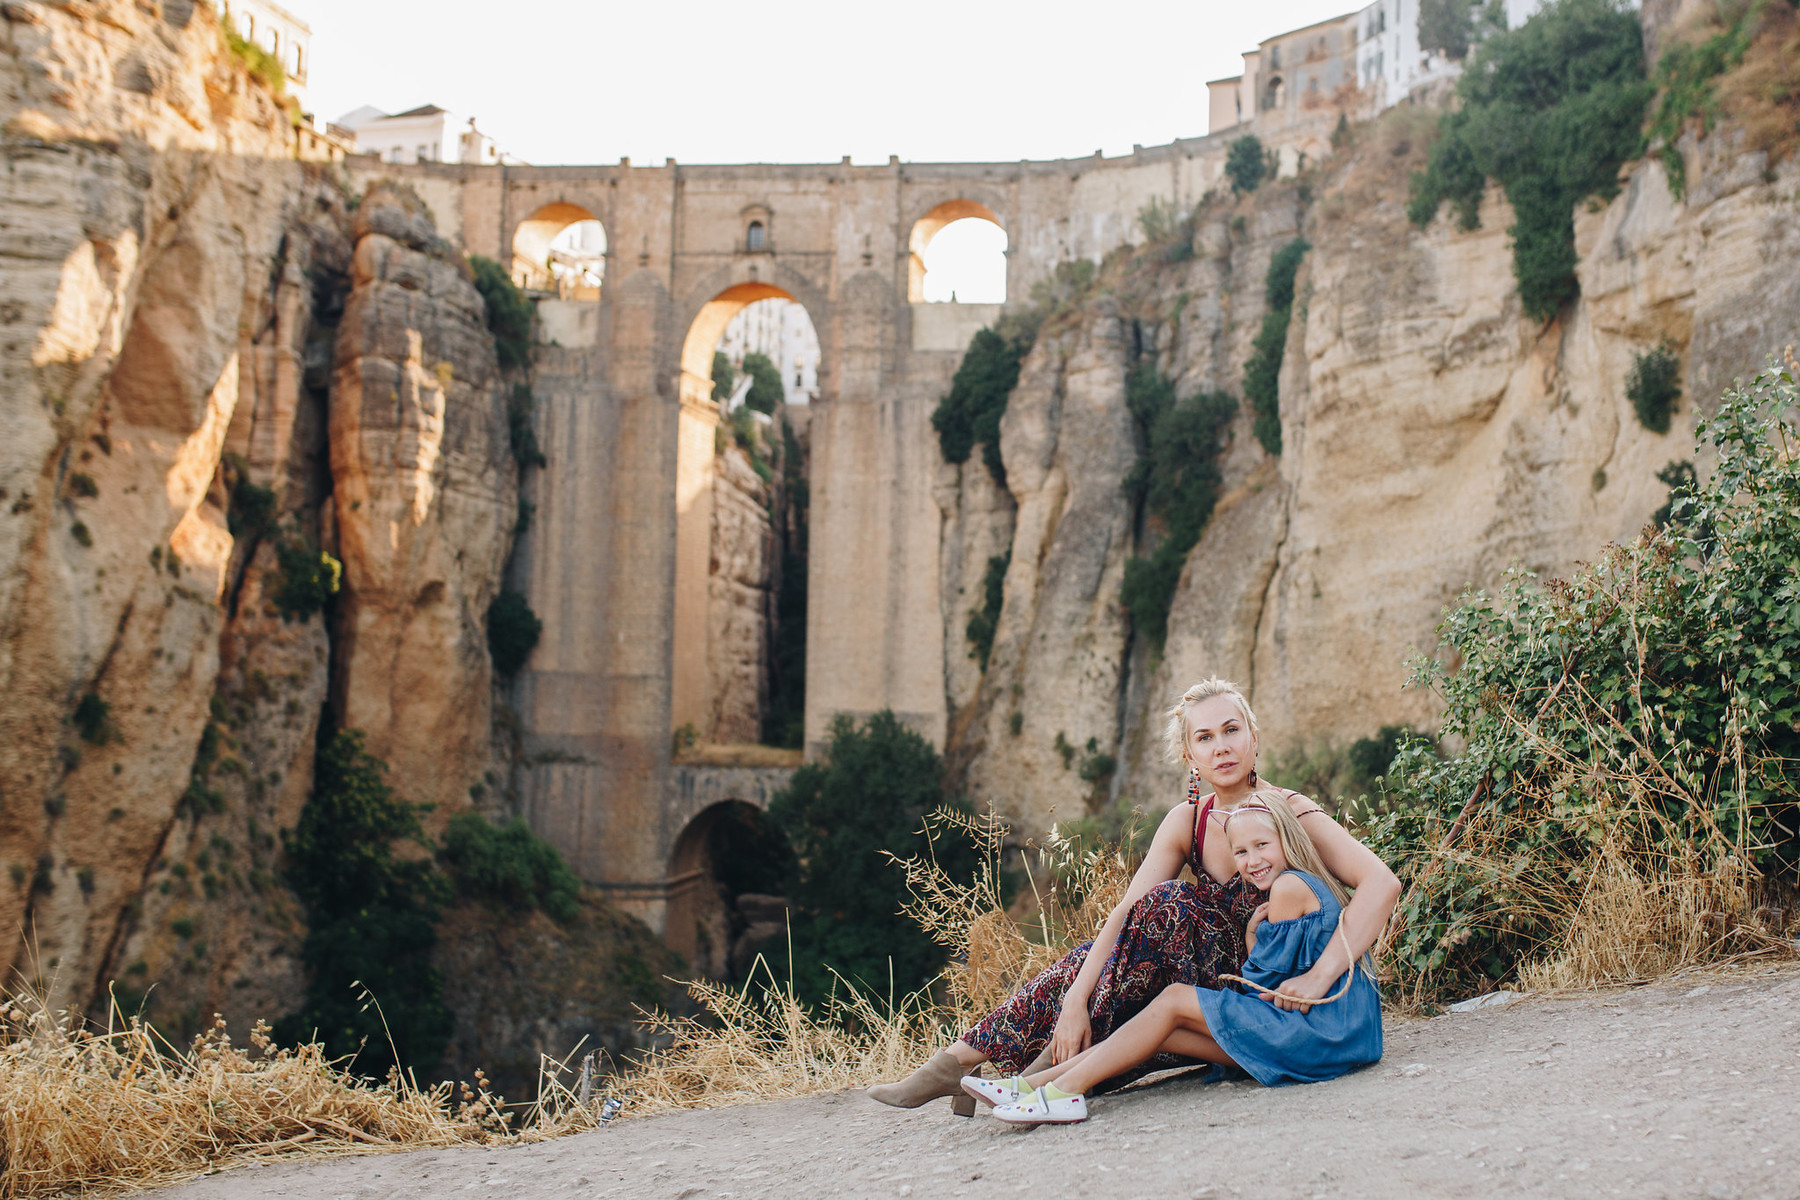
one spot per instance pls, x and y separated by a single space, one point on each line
560 248
727 874
749 368
957 255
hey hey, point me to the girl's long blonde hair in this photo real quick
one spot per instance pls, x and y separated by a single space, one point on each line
1296 844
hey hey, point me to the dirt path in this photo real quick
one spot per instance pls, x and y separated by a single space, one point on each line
1688 1088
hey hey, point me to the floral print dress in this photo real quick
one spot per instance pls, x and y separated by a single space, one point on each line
1179 932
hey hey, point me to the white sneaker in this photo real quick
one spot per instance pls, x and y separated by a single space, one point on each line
1036 1108
992 1092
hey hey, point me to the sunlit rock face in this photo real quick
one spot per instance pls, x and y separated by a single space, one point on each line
1432 438
741 585
425 497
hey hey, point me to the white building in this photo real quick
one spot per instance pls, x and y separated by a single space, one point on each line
424 134
279 32
1378 47
782 330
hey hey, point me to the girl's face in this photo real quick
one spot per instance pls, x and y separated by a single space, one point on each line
1257 850
1219 742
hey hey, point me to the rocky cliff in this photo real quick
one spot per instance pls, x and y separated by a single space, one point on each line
1433 437
233 389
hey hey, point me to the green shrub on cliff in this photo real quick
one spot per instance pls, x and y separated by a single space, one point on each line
513 631
1245 164
1550 110
1176 480
521 429
868 795
724 377
1685 82
371 917
1653 387
1633 731
509 866
985 620
1262 374
970 415
766 394
509 313
309 578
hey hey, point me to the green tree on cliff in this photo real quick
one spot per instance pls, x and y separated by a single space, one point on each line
766 395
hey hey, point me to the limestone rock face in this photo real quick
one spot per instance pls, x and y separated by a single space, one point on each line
1433 438
425 497
741 588
142 214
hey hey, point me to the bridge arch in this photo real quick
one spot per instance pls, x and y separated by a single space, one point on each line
936 221
728 850
561 247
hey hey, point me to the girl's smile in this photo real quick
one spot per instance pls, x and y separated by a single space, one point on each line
1257 850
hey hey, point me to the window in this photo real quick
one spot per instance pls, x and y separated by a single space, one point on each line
1275 58
396 154
756 237
427 154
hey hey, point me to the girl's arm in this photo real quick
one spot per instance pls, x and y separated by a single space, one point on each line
1377 891
1168 854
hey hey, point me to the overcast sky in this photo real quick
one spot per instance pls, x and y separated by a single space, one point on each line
794 80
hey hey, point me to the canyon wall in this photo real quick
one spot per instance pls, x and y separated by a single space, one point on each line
1433 438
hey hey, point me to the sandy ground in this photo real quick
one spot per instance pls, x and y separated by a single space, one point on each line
1690 1087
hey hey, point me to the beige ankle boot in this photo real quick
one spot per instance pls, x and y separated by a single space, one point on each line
942 1076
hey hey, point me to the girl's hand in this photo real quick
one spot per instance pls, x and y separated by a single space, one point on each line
1257 918
1299 985
1073 1033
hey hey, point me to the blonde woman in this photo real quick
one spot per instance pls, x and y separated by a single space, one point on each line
1167 931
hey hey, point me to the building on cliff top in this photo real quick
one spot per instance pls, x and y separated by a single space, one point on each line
418 135
279 32
1361 63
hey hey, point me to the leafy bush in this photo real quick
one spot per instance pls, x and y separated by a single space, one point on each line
724 377
984 620
843 815
1683 482
1451 27
1550 110
1638 724
1245 164
970 414
509 866
309 579
371 917
1653 387
509 313
766 394
1167 230
1176 479
253 511
261 64
513 631
521 430
1262 374
82 486
1686 92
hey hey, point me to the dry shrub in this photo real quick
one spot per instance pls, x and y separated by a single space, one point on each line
1383 154
1762 94
760 1043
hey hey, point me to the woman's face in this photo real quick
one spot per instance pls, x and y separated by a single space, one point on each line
1219 743
1257 850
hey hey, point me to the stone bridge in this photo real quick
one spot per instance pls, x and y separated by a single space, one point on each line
616 558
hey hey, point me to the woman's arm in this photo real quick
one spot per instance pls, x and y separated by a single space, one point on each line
1377 891
1257 917
1168 854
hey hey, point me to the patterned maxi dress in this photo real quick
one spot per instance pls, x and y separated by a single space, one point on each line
1178 933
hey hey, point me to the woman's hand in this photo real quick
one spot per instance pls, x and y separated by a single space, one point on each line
1073 1033
1300 985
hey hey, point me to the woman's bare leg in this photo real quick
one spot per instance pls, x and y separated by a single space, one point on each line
967 1055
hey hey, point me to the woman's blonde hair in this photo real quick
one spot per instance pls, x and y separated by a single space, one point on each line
1272 807
1176 733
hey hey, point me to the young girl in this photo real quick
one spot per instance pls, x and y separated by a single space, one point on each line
1285 937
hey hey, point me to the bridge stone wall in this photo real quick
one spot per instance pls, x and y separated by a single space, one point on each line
600 563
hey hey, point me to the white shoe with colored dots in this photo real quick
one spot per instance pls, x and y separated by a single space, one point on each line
994 1092
1038 1108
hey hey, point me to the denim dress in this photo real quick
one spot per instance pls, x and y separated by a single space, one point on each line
1276 1046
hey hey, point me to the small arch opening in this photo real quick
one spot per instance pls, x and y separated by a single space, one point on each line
957 255
756 237
727 875
560 248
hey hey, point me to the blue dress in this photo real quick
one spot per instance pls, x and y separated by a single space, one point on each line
1276 1046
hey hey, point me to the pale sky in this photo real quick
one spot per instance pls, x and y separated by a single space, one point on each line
794 80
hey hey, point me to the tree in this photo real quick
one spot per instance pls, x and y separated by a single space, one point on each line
1245 164
1451 27
766 394
371 917
724 377
869 794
